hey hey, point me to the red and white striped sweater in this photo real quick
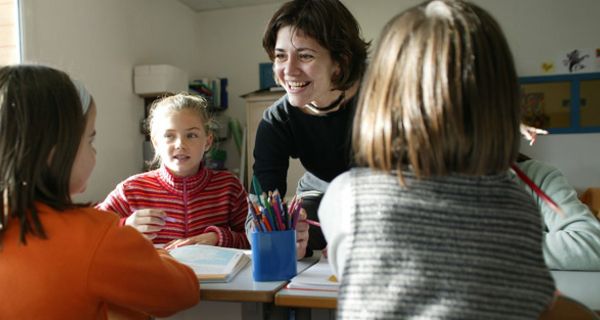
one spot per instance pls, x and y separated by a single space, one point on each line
209 201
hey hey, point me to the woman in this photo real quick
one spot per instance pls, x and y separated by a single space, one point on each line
319 58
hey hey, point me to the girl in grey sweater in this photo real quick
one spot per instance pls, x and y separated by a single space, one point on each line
432 226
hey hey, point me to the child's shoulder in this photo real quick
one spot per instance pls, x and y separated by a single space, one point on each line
107 217
140 178
222 174
80 229
220 179
82 216
365 172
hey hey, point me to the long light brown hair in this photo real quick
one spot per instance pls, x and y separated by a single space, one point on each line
440 96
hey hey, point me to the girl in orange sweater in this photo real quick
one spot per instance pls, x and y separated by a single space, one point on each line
59 259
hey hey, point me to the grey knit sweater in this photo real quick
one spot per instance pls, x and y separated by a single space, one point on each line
457 247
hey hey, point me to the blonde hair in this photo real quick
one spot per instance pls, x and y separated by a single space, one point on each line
176 103
440 96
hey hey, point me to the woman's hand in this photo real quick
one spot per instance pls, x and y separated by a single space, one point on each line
301 235
209 238
147 221
530 133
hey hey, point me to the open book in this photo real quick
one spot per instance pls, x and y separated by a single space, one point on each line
319 276
210 263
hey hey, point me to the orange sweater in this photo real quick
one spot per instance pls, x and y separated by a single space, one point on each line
87 263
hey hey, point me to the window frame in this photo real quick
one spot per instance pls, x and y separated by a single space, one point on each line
574 81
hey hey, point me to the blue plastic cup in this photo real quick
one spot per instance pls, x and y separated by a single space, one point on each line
273 255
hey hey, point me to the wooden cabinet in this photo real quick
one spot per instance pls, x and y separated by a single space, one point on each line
256 103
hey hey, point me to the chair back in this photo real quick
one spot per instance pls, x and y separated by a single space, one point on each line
567 308
591 197
119 313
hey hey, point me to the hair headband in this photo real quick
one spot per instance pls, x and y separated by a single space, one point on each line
438 9
84 95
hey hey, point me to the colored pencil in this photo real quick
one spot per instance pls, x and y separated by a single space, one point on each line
275 206
282 211
270 213
254 215
266 223
295 210
311 222
537 190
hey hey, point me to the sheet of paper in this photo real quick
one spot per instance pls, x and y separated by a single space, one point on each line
318 276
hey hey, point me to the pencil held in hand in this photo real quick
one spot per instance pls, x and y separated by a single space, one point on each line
537 190
311 222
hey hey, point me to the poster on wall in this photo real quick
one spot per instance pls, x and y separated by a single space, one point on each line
533 108
578 61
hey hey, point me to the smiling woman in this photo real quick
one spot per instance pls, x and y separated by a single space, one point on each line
9 32
319 58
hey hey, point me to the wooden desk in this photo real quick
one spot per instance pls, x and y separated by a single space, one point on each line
244 289
256 298
300 298
580 285
309 304
307 298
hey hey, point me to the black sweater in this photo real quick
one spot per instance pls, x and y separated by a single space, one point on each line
322 143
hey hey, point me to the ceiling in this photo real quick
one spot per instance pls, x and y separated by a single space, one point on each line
206 5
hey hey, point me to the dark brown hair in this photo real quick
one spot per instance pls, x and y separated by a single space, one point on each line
440 95
332 25
41 124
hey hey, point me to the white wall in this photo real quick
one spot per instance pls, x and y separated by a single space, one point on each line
99 42
537 30
540 30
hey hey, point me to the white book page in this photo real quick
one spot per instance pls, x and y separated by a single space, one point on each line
205 259
317 276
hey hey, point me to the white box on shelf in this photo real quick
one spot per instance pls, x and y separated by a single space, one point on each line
156 79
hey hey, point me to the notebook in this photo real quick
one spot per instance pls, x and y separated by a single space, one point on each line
319 276
210 263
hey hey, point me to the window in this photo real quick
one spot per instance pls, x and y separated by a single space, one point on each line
562 103
9 32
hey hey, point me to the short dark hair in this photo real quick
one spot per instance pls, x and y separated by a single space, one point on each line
441 94
332 25
41 124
